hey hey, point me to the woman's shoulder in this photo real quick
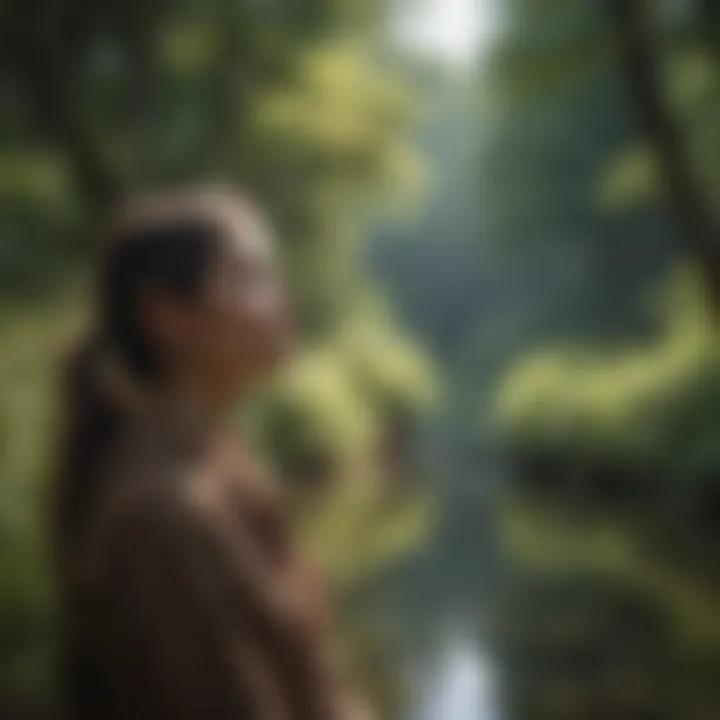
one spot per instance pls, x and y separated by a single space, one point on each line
151 478
159 483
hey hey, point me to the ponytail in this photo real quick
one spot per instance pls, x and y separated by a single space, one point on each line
96 413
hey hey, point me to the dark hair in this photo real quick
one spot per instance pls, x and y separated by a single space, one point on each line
171 258
170 252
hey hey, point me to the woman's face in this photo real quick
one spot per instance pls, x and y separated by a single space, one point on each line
240 329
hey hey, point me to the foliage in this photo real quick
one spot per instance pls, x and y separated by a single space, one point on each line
353 540
331 408
34 337
315 412
628 438
605 399
610 517
386 366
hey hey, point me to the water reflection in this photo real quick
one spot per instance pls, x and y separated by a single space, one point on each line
458 684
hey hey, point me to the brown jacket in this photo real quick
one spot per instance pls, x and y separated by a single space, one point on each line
185 598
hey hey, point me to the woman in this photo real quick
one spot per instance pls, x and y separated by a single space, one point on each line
183 595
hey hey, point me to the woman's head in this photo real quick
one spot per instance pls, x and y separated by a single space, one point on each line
189 284
188 290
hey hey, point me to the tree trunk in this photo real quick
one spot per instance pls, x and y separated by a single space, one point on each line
681 190
101 183
42 66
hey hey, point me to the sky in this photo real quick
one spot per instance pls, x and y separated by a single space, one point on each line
453 31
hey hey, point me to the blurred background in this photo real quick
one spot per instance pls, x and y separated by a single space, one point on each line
497 218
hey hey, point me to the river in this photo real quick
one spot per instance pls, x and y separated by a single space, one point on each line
437 603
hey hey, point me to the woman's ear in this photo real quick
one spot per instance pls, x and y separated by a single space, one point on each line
168 321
